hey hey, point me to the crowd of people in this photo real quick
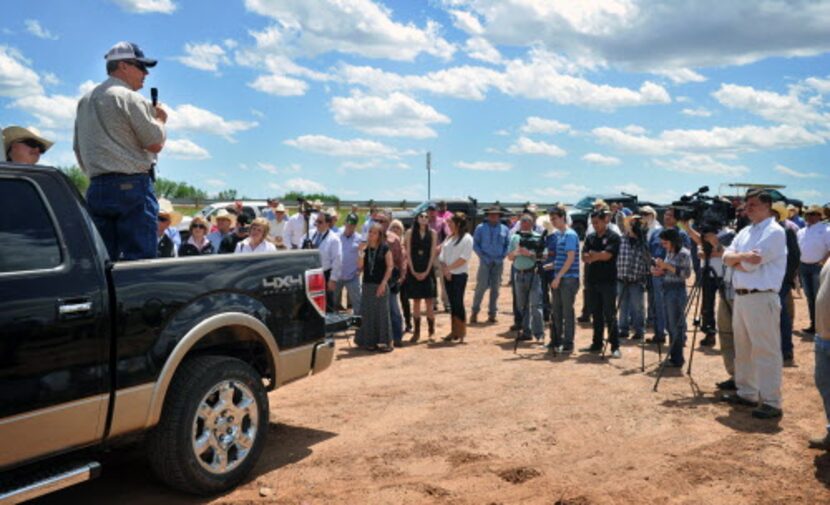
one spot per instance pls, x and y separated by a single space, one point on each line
634 271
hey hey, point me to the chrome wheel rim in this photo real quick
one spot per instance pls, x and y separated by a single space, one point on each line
225 427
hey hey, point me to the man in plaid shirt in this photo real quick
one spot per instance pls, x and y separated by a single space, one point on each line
632 275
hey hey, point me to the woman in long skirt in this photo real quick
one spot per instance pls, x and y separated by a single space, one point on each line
375 261
420 250
455 264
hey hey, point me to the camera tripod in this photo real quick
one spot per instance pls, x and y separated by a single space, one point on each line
693 303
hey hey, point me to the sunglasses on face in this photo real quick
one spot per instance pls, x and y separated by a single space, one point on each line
164 219
199 226
137 64
34 144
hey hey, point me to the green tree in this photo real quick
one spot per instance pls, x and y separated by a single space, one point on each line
78 177
227 194
292 196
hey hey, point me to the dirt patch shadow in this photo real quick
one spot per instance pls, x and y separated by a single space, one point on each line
519 474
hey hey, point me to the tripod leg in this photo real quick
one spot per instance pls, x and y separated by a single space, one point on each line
663 363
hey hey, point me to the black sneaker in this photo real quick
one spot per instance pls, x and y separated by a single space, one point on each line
515 327
708 341
809 329
765 411
567 348
583 319
637 336
592 348
822 443
736 399
623 334
789 359
727 385
655 340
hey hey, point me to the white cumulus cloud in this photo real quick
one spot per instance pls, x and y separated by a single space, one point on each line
781 169
16 75
205 57
701 164
329 146
484 166
535 124
279 85
479 49
190 118
699 112
770 105
34 27
304 185
395 115
359 27
524 145
184 149
147 6
601 159
680 75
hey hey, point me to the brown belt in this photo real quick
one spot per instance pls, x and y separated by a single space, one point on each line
750 291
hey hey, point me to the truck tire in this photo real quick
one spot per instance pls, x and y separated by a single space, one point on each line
213 425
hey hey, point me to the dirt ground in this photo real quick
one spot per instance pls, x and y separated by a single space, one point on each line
478 424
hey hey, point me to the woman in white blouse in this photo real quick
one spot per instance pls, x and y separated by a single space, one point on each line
455 264
256 241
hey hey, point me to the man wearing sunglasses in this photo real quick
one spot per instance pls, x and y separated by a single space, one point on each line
23 146
118 134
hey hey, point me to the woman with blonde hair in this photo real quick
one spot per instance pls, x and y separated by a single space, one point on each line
198 243
455 265
257 241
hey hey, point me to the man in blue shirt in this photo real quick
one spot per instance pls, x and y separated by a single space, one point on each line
490 241
562 266
657 251
349 278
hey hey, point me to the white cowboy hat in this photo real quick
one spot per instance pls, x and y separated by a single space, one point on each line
223 214
166 208
14 134
279 208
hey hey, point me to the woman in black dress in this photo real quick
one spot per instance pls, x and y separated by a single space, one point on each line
421 247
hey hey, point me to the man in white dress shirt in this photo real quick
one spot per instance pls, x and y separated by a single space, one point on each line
295 230
759 256
331 255
814 242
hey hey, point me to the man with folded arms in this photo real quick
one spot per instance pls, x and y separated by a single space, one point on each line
759 256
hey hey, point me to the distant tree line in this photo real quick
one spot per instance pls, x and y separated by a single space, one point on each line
166 188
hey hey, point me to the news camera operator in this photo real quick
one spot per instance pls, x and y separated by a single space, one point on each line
710 238
632 276
524 247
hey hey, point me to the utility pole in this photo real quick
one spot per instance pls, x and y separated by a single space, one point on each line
429 175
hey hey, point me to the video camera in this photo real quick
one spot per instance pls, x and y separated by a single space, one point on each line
534 243
710 213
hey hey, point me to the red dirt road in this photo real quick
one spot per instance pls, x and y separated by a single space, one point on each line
477 424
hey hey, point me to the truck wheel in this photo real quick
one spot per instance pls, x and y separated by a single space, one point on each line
213 425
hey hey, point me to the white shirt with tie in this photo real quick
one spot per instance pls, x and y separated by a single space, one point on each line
769 239
331 255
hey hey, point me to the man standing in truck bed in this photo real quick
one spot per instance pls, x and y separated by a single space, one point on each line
117 135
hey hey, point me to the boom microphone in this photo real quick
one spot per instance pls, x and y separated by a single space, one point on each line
154 96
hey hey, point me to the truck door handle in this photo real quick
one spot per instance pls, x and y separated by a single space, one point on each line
74 309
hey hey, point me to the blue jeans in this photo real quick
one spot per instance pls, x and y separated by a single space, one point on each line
659 309
395 318
809 281
822 374
562 311
125 212
631 307
529 295
786 324
674 298
488 277
352 292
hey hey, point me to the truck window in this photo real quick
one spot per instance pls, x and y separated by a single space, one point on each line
27 237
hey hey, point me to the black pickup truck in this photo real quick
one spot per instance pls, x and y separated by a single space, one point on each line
180 351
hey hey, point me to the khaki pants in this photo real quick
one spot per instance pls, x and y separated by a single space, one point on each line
727 338
756 322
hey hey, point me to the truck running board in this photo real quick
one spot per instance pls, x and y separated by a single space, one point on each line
45 482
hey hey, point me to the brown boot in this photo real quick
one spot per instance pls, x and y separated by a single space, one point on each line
431 326
460 329
416 334
454 327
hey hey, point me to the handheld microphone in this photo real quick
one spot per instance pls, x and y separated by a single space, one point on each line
154 96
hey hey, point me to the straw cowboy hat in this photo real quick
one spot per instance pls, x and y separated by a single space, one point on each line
279 208
223 214
317 205
780 208
14 134
166 209
493 209
814 209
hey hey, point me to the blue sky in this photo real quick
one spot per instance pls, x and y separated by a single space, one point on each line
515 99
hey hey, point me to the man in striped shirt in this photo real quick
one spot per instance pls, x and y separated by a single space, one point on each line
563 271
